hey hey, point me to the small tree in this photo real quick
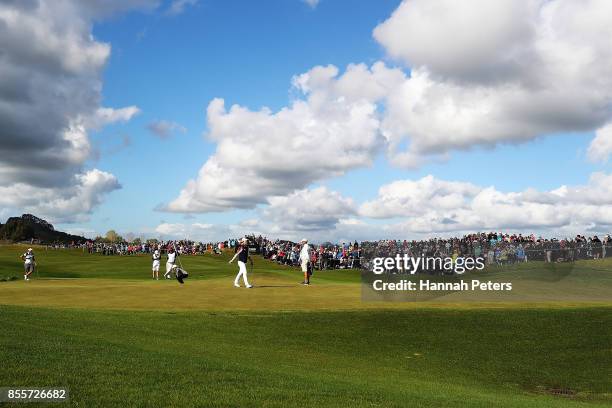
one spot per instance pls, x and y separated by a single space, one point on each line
113 237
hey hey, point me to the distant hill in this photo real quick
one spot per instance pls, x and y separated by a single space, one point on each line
28 227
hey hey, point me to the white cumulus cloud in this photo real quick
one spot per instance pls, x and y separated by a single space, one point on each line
261 154
73 203
481 74
317 209
601 146
431 205
50 98
490 72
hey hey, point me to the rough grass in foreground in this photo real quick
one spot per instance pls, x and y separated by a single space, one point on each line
428 358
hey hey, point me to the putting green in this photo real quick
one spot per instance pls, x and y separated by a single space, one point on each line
71 278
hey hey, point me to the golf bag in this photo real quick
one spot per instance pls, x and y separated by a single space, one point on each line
180 274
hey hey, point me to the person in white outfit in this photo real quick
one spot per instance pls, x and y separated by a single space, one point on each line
243 255
170 263
305 261
156 261
28 263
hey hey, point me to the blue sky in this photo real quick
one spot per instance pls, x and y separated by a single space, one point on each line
170 67
182 62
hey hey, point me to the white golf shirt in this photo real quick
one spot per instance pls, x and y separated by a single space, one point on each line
305 253
28 258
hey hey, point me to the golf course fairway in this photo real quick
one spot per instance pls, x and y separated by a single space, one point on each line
116 338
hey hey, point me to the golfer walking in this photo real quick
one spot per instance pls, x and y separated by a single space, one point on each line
243 255
29 262
170 263
305 261
156 261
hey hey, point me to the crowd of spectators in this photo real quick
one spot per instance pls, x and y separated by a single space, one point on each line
183 247
495 247
322 256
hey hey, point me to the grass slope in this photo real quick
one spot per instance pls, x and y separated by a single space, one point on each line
441 358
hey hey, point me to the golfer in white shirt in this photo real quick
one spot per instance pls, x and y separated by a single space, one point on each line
156 261
29 262
305 260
